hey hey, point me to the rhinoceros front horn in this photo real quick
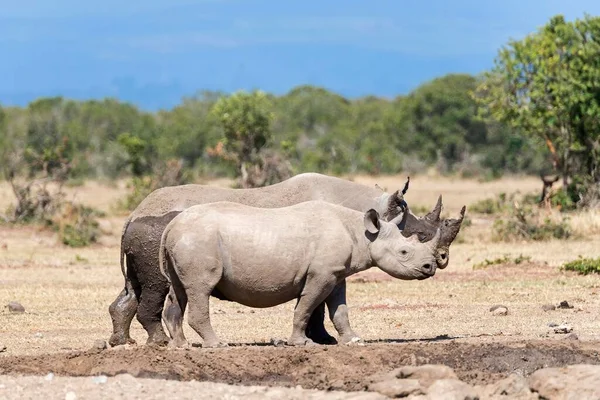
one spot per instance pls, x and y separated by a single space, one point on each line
454 227
434 215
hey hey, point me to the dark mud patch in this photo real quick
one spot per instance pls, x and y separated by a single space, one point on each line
320 367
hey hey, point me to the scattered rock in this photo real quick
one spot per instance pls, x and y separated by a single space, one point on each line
396 388
452 389
564 305
499 310
563 328
278 342
514 385
100 379
552 325
572 382
39 335
70 396
100 345
49 377
2 348
15 307
572 336
548 307
425 374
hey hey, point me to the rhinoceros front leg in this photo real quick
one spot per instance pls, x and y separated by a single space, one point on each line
316 290
338 312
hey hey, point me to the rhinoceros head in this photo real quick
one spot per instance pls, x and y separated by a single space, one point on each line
425 227
400 256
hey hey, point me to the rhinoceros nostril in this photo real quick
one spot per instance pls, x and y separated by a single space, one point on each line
427 267
443 255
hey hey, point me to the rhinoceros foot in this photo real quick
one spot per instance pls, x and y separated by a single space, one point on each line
325 339
214 345
352 341
120 340
300 341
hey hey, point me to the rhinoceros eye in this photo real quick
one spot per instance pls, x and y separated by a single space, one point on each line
404 252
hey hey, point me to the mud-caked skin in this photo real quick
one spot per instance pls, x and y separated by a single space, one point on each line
145 288
265 257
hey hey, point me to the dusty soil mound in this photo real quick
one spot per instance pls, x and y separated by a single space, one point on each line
321 367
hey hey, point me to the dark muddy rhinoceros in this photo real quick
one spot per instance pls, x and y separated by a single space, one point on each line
146 288
263 257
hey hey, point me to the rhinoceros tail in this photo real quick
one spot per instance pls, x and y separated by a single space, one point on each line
162 256
122 254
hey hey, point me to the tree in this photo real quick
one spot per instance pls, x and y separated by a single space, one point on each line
547 85
245 120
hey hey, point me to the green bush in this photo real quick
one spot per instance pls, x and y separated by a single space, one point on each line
583 265
502 260
486 206
526 224
77 225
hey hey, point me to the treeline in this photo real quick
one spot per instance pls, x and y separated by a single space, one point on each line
436 125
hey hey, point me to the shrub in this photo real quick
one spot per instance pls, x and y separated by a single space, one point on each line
583 266
164 174
486 206
502 260
526 224
77 225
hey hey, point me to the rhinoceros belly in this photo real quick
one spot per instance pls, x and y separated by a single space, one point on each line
256 284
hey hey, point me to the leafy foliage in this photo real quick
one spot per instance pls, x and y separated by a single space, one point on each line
526 223
584 266
502 260
309 127
546 86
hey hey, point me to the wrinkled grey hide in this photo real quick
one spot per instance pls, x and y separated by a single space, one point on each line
145 287
265 257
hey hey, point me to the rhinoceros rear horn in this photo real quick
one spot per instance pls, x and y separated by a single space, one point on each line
434 215
372 221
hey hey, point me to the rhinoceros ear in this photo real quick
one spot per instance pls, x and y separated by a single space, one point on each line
372 221
405 189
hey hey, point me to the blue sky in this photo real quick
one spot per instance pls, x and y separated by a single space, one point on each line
153 52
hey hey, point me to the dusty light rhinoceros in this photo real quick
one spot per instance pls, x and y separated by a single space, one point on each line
145 287
264 257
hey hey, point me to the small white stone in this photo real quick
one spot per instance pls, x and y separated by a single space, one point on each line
100 379
49 377
70 396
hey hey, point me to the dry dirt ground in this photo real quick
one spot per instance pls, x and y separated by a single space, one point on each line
446 319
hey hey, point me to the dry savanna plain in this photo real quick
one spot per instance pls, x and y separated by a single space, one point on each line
442 320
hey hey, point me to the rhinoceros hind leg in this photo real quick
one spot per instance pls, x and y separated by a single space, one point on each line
199 318
122 311
173 317
150 313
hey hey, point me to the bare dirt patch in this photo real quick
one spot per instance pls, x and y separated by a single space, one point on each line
347 368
